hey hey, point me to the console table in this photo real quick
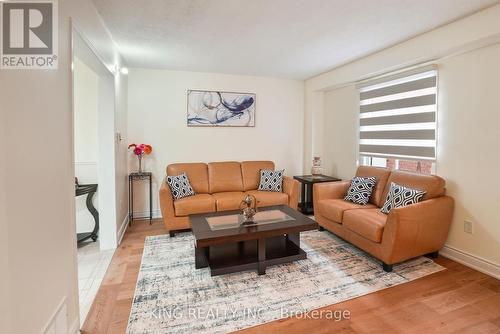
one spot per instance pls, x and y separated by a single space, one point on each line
89 190
138 177
307 182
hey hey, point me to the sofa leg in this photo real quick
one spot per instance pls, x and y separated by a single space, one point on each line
387 267
433 255
321 228
172 234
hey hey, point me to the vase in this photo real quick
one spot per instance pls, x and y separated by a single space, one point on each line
140 164
317 167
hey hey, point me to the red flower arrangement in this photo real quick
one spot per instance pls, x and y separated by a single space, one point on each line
141 150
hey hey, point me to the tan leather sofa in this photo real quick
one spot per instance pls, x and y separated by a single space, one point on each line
405 233
220 186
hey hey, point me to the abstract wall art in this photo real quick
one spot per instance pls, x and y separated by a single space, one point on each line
212 108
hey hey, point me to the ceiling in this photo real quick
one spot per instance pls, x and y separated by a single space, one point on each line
280 38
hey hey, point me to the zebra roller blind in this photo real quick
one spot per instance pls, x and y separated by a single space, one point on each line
398 115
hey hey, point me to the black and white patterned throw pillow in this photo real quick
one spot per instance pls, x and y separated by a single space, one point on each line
360 190
401 196
180 186
271 180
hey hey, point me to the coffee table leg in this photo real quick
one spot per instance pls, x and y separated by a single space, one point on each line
201 257
303 206
262 256
294 237
309 191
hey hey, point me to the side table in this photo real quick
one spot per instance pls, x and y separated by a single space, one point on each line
89 190
307 182
139 177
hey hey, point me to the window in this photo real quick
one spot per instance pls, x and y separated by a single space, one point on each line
418 166
398 121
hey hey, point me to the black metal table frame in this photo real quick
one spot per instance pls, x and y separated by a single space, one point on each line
137 177
90 190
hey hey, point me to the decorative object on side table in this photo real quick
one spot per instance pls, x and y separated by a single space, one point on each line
248 208
307 182
141 150
208 108
138 177
317 168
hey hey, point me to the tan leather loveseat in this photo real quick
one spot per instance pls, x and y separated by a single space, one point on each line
220 186
405 233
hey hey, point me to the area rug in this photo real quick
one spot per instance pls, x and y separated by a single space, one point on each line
172 296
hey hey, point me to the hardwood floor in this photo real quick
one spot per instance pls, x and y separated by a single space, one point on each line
456 300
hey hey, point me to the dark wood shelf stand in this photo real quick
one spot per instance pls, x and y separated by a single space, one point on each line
307 182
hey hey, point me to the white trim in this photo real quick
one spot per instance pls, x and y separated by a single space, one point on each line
86 163
156 214
52 323
122 229
75 327
391 78
472 261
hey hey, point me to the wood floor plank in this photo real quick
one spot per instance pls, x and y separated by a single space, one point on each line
459 300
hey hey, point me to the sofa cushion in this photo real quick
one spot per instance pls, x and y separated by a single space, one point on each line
367 223
269 198
333 209
200 203
250 171
224 177
197 174
382 174
228 200
434 186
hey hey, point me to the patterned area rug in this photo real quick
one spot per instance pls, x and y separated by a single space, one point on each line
172 296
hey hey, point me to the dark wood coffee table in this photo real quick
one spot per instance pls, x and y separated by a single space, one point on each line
226 247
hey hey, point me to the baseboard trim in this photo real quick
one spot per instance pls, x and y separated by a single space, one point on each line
75 327
123 228
472 261
156 214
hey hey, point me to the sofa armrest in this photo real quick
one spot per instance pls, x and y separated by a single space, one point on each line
291 188
417 229
166 201
330 190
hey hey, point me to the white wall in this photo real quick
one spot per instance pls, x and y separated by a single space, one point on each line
85 140
467 54
121 168
468 33
40 213
468 147
85 122
4 246
340 132
157 116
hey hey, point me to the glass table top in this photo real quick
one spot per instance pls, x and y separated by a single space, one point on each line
237 220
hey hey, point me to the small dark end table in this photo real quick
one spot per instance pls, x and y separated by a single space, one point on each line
138 177
307 181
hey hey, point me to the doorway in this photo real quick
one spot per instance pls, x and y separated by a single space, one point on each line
94 164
